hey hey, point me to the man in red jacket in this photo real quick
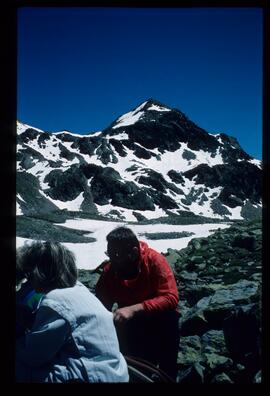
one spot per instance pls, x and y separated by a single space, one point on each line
140 281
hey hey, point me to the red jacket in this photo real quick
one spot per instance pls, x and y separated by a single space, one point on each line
155 285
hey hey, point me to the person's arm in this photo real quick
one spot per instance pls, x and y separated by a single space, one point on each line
163 280
166 293
124 314
43 342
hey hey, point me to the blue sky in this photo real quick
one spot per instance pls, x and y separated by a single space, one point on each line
81 68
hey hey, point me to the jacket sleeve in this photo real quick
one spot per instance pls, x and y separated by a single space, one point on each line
102 291
42 343
164 284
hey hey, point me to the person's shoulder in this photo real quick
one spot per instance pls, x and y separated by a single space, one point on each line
150 252
60 292
61 296
156 260
105 268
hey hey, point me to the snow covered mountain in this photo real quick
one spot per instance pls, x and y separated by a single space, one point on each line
150 162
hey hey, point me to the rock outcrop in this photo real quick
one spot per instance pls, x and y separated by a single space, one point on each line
219 282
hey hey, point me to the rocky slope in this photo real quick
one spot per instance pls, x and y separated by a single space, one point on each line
219 281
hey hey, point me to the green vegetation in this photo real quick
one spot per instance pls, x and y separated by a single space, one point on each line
183 219
57 216
88 216
166 235
38 229
60 216
89 278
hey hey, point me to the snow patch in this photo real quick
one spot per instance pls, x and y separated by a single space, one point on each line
256 162
90 255
157 108
22 128
20 198
127 213
18 209
73 205
77 134
121 136
128 119
235 212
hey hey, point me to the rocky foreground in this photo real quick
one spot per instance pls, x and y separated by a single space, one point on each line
219 282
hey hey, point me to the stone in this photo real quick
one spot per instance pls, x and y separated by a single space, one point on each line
192 375
221 379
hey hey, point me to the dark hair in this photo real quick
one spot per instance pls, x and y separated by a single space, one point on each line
49 264
123 236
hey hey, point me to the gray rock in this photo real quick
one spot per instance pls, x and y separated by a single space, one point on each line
188 275
213 341
197 259
258 377
221 379
189 350
239 292
192 375
215 362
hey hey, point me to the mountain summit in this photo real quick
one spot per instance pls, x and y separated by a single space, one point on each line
143 112
150 162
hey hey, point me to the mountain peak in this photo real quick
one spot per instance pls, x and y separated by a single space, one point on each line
151 162
139 112
153 101
153 104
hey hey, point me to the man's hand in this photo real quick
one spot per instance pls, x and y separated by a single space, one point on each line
124 314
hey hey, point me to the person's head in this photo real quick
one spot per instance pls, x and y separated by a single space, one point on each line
47 265
124 252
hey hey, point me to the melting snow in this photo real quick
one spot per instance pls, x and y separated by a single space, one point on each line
90 255
22 128
18 209
73 205
158 108
79 135
235 212
127 213
18 196
128 119
41 171
256 162
121 136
